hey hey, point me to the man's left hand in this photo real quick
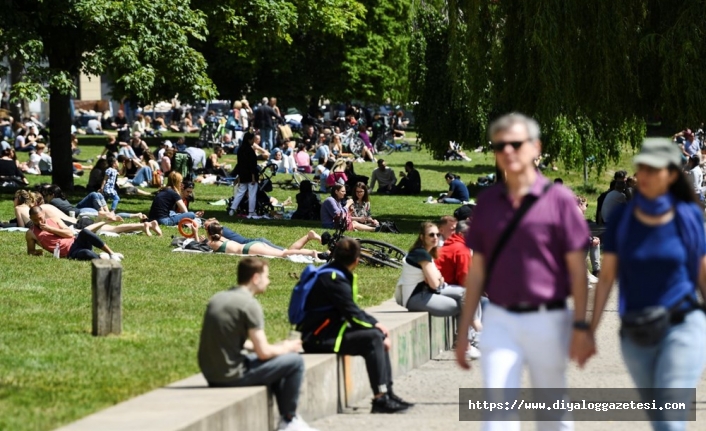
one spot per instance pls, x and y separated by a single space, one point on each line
382 329
583 346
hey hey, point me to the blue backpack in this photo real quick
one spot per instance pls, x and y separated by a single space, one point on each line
301 291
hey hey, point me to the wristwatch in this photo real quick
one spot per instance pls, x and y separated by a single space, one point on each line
581 325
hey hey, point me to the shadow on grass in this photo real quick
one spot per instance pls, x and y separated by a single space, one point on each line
464 171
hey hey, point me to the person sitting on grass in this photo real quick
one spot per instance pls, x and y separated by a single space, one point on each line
167 198
360 211
385 176
93 205
308 204
458 192
220 244
234 351
333 212
51 234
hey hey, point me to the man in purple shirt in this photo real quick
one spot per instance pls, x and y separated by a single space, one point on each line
541 265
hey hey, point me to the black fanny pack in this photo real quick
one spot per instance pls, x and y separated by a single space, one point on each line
649 326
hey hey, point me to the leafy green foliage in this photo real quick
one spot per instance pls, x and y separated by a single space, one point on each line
340 49
143 44
590 72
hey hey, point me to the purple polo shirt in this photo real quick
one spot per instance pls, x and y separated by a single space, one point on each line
531 269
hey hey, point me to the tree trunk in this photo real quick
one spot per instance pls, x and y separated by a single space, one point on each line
16 72
60 138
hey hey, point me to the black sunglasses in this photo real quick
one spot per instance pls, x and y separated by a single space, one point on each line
433 234
500 146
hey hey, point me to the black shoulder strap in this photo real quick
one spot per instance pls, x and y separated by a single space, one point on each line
510 229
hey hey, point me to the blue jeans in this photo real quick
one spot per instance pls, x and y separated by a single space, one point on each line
94 200
143 175
282 374
236 237
267 138
676 362
175 219
450 201
114 196
82 248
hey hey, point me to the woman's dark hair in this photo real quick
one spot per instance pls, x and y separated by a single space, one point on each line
329 164
6 152
694 161
450 175
305 187
187 185
215 230
248 139
301 147
681 188
362 185
419 243
101 164
336 188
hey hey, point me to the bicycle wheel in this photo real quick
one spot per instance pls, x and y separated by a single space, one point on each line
356 147
379 253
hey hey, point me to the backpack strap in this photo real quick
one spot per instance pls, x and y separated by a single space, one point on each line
527 203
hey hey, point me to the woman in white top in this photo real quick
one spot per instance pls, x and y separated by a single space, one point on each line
695 175
421 286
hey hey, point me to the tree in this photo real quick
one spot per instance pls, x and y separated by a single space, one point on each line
590 72
143 44
300 50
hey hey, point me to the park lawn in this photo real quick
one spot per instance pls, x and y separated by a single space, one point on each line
52 371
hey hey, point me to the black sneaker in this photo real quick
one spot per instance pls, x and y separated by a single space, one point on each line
323 256
385 404
399 400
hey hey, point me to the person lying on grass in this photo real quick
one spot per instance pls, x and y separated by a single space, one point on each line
218 243
52 234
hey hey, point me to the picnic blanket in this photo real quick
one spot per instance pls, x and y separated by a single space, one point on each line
14 229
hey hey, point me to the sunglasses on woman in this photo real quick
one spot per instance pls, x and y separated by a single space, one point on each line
434 234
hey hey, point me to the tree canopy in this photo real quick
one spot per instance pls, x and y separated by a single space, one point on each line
301 50
590 72
143 44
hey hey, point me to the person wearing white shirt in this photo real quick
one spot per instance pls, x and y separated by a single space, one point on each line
198 156
695 175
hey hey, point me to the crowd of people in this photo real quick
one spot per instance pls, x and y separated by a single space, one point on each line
649 225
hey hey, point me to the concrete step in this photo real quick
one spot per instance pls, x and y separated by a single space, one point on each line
330 384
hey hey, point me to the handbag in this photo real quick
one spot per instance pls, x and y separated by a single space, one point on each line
649 326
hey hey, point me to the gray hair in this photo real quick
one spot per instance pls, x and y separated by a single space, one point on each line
462 226
507 121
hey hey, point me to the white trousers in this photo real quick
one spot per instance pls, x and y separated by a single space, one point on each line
510 341
239 193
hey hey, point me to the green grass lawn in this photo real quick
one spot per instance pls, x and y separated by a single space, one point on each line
52 371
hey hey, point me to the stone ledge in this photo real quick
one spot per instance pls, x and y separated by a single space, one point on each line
329 384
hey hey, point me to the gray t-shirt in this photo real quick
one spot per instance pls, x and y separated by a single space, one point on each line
228 318
611 202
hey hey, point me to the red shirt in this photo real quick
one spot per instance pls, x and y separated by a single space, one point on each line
453 260
48 240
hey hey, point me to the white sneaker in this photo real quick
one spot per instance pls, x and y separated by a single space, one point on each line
144 184
472 352
592 279
231 212
297 424
104 256
429 200
254 217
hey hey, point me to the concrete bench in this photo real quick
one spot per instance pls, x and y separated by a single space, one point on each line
330 383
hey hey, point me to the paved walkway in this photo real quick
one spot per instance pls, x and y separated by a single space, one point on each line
434 389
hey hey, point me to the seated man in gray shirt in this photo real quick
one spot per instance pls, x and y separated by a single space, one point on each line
234 321
385 176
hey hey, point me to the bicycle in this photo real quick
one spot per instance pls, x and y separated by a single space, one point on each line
372 252
351 140
386 144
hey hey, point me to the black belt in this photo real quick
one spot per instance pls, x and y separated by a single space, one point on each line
521 308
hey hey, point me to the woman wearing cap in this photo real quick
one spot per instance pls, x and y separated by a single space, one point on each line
655 246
